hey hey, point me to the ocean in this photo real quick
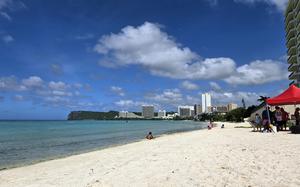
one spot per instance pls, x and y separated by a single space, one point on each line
28 142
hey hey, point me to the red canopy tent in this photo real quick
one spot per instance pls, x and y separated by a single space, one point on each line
290 96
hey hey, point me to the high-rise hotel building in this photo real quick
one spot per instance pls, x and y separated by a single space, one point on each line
186 111
148 111
206 102
292 28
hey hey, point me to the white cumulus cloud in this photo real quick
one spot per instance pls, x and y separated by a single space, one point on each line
129 103
147 45
189 85
57 85
38 91
258 72
61 93
117 90
226 97
170 96
33 81
11 83
123 103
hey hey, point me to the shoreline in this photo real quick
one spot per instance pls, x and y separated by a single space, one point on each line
220 157
93 150
216 124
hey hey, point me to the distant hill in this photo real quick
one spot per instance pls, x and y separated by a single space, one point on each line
84 115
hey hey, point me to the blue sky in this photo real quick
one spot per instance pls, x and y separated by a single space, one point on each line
58 56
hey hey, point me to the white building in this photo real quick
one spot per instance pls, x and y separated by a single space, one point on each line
123 114
148 111
161 114
126 114
171 116
206 102
185 111
232 106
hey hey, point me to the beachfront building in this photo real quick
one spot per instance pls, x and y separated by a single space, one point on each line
222 109
206 102
161 114
210 109
171 116
148 111
292 28
197 109
126 114
218 109
123 114
231 106
186 111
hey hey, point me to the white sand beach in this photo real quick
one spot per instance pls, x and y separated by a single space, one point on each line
217 157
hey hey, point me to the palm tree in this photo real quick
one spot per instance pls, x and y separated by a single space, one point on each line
262 99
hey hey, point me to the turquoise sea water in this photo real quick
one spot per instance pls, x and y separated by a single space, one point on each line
26 142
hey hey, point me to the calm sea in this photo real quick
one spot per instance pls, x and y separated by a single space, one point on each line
26 142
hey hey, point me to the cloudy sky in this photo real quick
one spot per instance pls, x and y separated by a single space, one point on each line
58 56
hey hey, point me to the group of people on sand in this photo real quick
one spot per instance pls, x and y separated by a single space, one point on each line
279 118
150 136
211 125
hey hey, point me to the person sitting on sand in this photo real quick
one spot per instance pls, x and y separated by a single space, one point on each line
149 136
222 127
209 126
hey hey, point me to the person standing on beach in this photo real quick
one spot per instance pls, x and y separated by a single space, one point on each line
285 118
258 121
278 118
297 116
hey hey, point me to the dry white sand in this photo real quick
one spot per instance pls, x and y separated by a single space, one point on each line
217 157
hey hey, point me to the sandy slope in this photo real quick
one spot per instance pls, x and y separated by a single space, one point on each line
219 157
